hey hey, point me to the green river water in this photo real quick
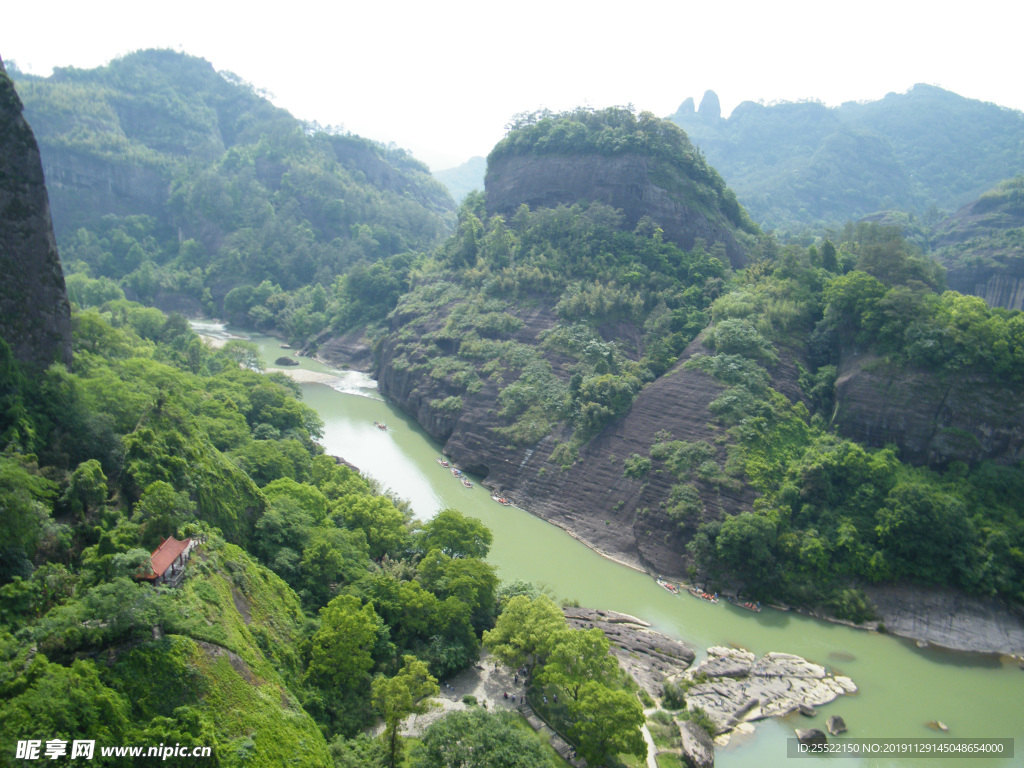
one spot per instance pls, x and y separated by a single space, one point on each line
902 687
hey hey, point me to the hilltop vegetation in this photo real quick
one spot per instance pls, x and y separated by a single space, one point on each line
676 164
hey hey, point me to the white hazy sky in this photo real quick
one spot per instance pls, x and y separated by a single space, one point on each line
443 78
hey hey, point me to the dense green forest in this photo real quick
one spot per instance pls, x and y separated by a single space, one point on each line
187 189
313 605
457 322
832 514
616 310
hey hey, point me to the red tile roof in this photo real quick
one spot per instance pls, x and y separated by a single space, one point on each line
166 554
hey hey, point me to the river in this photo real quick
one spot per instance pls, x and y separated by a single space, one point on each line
902 687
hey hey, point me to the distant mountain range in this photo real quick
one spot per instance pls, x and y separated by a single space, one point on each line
804 165
796 165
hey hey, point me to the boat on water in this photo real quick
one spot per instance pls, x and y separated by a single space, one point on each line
747 604
381 425
703 595
456 472
501 500
442 462
466 483
670 587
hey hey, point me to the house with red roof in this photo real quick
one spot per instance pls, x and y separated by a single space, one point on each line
167 563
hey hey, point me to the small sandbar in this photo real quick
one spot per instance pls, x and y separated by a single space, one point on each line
304 376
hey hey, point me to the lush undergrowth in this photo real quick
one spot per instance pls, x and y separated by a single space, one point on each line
307 590
832 514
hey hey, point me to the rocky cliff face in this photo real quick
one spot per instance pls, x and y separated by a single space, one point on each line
982 247
87 187
621 517
949 618
35 317
933 419
621 181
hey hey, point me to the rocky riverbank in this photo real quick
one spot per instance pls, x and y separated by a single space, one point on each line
733 686
949 619
648 656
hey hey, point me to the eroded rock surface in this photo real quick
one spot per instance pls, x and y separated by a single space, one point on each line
933 419
35 316
623 182
698 750
648 656
948 618
775 685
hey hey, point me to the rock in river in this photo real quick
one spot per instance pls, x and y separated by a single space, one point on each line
835 725
774 686
811 736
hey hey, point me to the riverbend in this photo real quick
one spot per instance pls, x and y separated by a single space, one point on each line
901 687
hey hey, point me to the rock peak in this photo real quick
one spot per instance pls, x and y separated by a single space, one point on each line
35 317
710 107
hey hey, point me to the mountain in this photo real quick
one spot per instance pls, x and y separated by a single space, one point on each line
179 184
796 165
641 166
825 420
35 318
982 246
463 179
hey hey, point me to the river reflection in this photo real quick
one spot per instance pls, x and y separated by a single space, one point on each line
902 687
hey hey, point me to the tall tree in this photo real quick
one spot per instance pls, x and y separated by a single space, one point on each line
581 656
395 698
606 722
527 631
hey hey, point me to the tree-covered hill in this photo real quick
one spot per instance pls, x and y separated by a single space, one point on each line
636 163
180 184
799 165
840 421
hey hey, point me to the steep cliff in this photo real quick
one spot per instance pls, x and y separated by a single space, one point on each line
933 419
623 181
625 517
35 317
982 246
641 165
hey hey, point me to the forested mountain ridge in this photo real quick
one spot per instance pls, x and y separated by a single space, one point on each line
555 350
179 184
805 165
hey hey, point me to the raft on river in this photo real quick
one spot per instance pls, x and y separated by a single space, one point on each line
670 587
755 607
703 595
